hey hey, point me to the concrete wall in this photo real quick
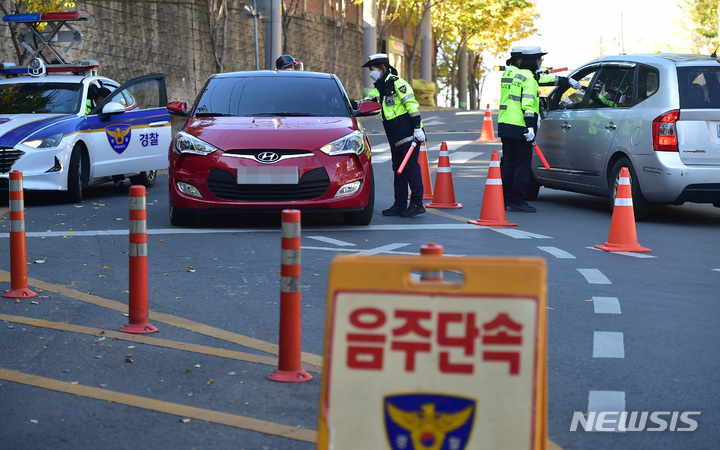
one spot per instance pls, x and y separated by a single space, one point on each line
130 38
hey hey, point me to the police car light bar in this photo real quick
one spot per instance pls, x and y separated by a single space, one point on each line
47 17
86 67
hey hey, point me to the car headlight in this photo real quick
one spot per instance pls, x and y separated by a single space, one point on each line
352 143
187 143
45 142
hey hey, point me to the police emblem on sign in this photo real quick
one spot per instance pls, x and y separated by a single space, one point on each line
119 137
428 421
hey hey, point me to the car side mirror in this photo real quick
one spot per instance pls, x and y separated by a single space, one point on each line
113 108
368 108
178 108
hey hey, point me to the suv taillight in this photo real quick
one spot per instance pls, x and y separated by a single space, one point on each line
665 132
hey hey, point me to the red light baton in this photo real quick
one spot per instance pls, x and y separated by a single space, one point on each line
407 155
542 157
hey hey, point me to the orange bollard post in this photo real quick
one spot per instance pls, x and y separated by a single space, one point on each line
290 353
18 251
488 133
431 249
139 308
492 211
444 191
623 236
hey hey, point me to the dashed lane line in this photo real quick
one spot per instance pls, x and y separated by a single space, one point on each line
329 240
606 305
594 276
608 344
558 253
606 401
633 254
169 319
176 409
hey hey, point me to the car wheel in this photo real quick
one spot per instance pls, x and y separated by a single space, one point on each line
641 207
533 188
180 217
364 216
146 179
73 194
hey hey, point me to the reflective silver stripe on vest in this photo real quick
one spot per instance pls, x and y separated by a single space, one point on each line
520 77
503 107
415 114
506 80
515 97
138 249
530 96
529 114
403 141
407 97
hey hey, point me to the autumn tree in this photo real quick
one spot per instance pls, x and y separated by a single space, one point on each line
702 24
217 18
28 6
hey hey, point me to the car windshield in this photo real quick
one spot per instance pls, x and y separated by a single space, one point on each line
40 98
699 87
272 96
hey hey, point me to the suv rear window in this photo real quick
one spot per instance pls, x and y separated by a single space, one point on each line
699 87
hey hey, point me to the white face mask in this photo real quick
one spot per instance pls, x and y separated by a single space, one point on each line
375 75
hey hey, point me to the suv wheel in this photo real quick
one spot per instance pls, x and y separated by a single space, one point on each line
641 207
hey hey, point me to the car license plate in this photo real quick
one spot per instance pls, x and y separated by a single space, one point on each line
267 175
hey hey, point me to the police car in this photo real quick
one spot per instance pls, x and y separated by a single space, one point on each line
57 131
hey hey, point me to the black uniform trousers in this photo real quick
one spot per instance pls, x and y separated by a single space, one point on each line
515 169
411 175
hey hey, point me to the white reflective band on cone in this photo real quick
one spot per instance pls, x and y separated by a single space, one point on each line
625 181
623 202
494 163
17 225
443 169
494 181
138 226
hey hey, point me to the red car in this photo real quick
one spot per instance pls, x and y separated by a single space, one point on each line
271 140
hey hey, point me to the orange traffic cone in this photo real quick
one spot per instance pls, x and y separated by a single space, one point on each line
444 192
623 237
488 134
425 167
492 212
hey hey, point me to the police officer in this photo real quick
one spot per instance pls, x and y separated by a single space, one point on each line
518 121
402 123
286 62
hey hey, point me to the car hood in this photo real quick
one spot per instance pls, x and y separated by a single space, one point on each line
305 133
16 128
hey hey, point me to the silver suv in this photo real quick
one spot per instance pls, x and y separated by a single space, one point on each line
657 114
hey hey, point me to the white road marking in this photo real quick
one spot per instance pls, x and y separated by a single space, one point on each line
432 122
167 231
594 276
329 240
556 252
607 401
519 234
463 157
384 249
606 305
608 344
633 254
716 270
470 113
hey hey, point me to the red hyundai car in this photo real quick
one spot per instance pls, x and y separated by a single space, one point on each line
271 140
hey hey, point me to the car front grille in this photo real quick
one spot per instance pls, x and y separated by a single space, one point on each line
224 186
8 156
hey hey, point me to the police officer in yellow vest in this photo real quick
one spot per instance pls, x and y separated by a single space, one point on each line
518 121
402 123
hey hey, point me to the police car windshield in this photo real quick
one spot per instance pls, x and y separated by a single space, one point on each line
272 96
40 98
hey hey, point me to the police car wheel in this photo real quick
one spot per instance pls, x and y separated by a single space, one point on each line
73 194
146 179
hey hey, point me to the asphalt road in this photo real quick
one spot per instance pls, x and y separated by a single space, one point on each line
630 331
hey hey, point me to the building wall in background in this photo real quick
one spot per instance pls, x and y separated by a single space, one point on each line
130 38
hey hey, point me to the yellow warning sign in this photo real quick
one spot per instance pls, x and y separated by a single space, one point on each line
456 363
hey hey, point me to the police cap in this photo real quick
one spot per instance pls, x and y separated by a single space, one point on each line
377 59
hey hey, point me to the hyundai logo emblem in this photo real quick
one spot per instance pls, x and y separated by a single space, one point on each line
268 157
